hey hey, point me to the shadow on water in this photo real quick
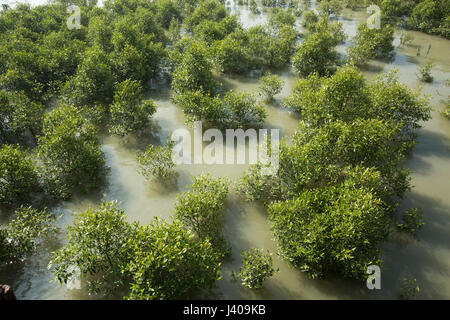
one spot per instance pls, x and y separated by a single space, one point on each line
430 144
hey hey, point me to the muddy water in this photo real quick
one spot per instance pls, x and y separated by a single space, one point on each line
426 257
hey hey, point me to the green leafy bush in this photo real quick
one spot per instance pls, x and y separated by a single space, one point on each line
157 162
372 44
313 230
18 177
70 154
412 220
409 289
256 268
22 235
158 261
270 85
201 209
425 72
317 54
128 112
169 263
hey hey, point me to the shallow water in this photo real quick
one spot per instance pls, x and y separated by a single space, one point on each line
426 257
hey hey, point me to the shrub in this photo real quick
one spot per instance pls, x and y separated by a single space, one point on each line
201 209
270 85
254 7
409 289
425 72
372 44
157 162
18 177
167 262
70 154
316 54
95 249
244 111
313 230
158 261
256 268
330 7
23 234
128 112
194 71
412 220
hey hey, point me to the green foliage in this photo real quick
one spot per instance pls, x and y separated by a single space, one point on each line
309 18
206 10
95 249
330 230
70 153
201 209
317 54
270 85
356 4
128 112
409 289
210 31
282 18
194 71
168 263
256 268
243 109
372 44
245 50
253 6
238 110
255 186
18 176
158 261
341 171
397 8
320 157
174 31
330 7
93 80
431 16
412 220
200 106
446 112
166 11
425 72
157 162
19 115
347 96
22 234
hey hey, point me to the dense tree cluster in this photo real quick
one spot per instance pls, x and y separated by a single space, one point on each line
158 261
331 201
341 171
430 16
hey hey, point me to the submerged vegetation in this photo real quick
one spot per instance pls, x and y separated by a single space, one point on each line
330 204
257 267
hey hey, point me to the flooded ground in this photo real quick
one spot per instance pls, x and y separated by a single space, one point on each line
426 257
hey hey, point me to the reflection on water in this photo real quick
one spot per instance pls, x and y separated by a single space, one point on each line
427 257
